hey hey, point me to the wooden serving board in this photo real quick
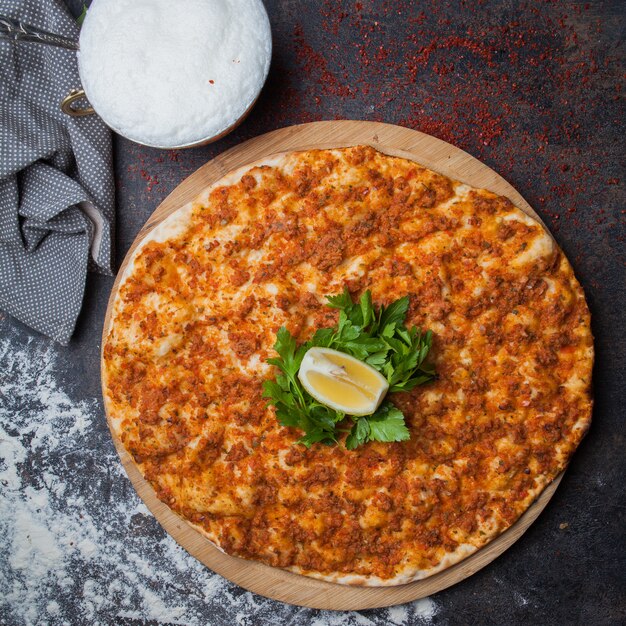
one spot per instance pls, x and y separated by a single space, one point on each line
262 579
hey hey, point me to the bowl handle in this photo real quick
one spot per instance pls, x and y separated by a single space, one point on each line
67 105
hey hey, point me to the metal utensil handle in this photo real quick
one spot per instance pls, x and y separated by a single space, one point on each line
14 30
67 106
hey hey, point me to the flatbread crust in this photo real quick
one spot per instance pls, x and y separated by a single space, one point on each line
195 319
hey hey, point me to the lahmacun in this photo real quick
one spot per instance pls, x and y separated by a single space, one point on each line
196 316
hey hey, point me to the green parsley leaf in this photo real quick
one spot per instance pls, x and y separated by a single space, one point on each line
317 435
343 301
323 337
367 310
387 424
394 313
377 337
359 434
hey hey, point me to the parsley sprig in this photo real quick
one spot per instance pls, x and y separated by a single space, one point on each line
378 337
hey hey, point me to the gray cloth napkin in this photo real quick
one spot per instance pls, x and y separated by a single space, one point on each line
56 179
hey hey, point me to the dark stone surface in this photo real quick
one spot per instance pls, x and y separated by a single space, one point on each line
534 90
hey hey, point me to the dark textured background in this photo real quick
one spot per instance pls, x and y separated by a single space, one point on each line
534 90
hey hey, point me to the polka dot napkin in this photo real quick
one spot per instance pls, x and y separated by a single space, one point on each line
56 179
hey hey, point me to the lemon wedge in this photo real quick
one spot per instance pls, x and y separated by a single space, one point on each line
342 382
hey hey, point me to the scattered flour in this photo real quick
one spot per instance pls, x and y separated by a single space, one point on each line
77 546
170 73
419 612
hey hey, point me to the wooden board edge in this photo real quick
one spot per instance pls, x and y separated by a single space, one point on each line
376 134
299 590
324 595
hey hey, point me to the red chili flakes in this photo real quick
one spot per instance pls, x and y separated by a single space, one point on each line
316 65
152 180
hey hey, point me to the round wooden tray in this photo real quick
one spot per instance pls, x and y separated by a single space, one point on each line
272 582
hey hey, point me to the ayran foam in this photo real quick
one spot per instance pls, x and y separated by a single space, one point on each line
171 73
